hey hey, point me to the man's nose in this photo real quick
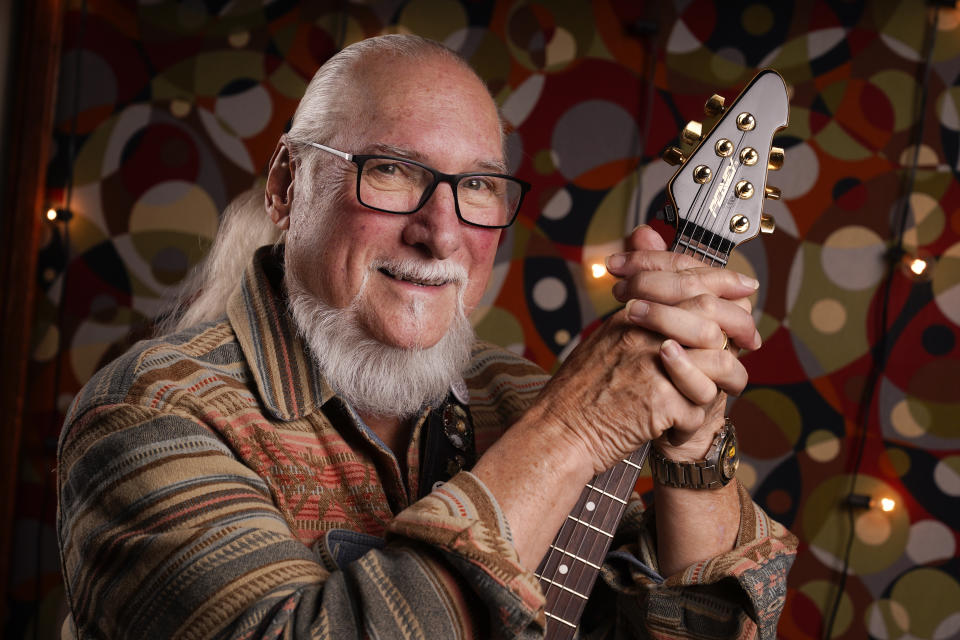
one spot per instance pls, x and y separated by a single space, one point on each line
436 227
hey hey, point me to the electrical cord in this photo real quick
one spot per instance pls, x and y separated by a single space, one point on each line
881 351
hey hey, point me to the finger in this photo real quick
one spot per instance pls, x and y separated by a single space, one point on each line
630 262
723 368
688 379
672 287
700 323
644 237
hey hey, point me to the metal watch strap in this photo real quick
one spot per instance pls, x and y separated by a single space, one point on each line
701 474
685 475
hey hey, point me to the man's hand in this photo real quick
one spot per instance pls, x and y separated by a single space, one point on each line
625 384
697 308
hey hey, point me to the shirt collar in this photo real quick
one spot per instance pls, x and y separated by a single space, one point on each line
289 385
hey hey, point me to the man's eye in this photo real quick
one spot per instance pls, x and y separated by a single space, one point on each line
386 169
476 184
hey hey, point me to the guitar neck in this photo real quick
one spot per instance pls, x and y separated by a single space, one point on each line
569 569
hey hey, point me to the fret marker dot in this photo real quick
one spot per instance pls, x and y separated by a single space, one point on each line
563 569
591 506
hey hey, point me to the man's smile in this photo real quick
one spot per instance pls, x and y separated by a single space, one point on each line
413 280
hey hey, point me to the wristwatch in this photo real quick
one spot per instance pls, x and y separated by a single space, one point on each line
716 471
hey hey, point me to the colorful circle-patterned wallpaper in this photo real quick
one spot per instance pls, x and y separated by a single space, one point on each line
179 105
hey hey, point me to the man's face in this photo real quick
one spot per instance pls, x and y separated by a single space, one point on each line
435 113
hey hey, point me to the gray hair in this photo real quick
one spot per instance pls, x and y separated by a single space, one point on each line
322 115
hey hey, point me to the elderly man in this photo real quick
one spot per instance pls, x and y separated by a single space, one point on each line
291 466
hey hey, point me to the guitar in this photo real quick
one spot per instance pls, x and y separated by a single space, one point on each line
715 202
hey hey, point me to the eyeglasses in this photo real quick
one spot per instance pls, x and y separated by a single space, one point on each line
398 185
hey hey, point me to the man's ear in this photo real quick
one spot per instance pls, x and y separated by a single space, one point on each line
279 192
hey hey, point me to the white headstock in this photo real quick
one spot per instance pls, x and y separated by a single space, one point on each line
717 193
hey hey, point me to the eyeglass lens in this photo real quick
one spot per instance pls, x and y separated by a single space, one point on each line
397 186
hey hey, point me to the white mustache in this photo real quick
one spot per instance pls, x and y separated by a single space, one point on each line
421 272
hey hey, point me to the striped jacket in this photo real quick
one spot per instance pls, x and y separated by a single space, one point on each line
211 485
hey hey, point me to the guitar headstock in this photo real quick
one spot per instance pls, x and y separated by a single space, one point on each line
717 193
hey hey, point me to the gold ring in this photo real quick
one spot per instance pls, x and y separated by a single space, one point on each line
726 340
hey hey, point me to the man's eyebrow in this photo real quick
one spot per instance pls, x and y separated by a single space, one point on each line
493 166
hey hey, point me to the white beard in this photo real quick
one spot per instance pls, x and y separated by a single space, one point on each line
372 377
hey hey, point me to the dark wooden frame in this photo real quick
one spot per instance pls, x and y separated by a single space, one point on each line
34 65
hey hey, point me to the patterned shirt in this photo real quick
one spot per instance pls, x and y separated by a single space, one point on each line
212 485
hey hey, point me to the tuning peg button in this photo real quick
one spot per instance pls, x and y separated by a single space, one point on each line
767 223
673 155
714 106
775 161
771 193
692 133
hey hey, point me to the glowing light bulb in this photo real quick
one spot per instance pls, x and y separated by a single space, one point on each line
51 214
598 270
887 504
918 266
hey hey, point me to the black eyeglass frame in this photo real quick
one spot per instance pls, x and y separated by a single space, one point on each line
438 176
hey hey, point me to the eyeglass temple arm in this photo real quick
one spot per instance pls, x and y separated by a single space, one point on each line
342 154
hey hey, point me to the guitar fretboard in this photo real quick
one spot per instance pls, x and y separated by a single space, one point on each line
570 566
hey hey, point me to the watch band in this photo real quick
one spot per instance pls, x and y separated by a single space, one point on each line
701 474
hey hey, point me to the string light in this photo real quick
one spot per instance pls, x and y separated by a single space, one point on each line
918 266
598 270
863 501
59 215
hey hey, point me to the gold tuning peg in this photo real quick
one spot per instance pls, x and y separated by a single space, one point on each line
673 155
767 223
714 106
771 193
692 133
776 159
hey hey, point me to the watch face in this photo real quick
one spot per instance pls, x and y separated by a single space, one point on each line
729 456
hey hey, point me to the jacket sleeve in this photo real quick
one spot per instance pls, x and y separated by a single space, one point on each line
738 594
164 533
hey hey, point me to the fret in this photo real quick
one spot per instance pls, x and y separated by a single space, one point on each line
575 557
559 619
590 526
632 464
578 541
562 586
604 493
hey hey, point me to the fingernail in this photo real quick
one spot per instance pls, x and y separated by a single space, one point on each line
757 340
637 309
639 226
619 288
670 348
616 261
747 281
